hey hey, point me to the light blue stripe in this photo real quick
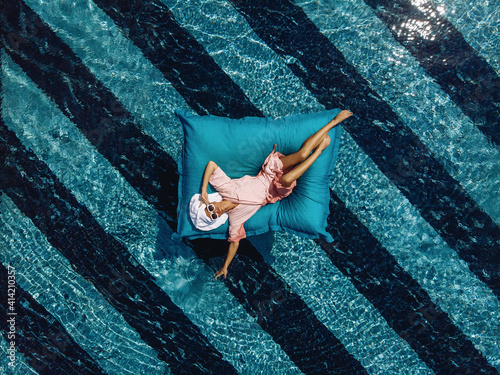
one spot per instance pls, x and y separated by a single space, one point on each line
120 210
20 364
478 21
455 141
45 274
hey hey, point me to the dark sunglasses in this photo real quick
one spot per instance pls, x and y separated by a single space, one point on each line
211 208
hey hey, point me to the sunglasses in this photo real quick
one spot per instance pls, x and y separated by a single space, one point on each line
211 208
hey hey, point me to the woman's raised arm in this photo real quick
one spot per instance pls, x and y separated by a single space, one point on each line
209 169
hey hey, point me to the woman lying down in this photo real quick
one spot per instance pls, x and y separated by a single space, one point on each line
239 199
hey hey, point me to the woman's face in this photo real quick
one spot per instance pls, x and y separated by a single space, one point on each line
217 209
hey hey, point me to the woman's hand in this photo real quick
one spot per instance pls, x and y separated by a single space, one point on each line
221 272
204 197
209 170
233 247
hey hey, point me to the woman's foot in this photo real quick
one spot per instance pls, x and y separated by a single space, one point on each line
342 116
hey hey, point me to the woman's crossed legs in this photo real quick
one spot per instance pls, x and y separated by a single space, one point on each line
294 165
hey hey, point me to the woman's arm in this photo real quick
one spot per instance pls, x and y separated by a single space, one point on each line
209 170
233 247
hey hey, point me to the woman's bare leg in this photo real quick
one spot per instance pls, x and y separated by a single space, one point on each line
312 142
288 178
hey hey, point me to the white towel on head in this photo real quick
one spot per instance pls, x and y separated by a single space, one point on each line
198 216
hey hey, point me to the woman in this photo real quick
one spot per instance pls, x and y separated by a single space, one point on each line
240 198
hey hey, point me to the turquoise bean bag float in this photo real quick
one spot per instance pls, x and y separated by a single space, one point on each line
239 147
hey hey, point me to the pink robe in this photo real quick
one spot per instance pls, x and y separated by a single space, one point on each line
251 193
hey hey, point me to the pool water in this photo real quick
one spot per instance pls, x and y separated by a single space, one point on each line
92 282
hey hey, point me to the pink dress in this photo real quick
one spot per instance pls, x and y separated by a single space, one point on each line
251 193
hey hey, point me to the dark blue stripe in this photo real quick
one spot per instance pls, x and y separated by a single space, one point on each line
395 149
102 260
403 303
181 59
41 339
280 311
464 75
84 100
